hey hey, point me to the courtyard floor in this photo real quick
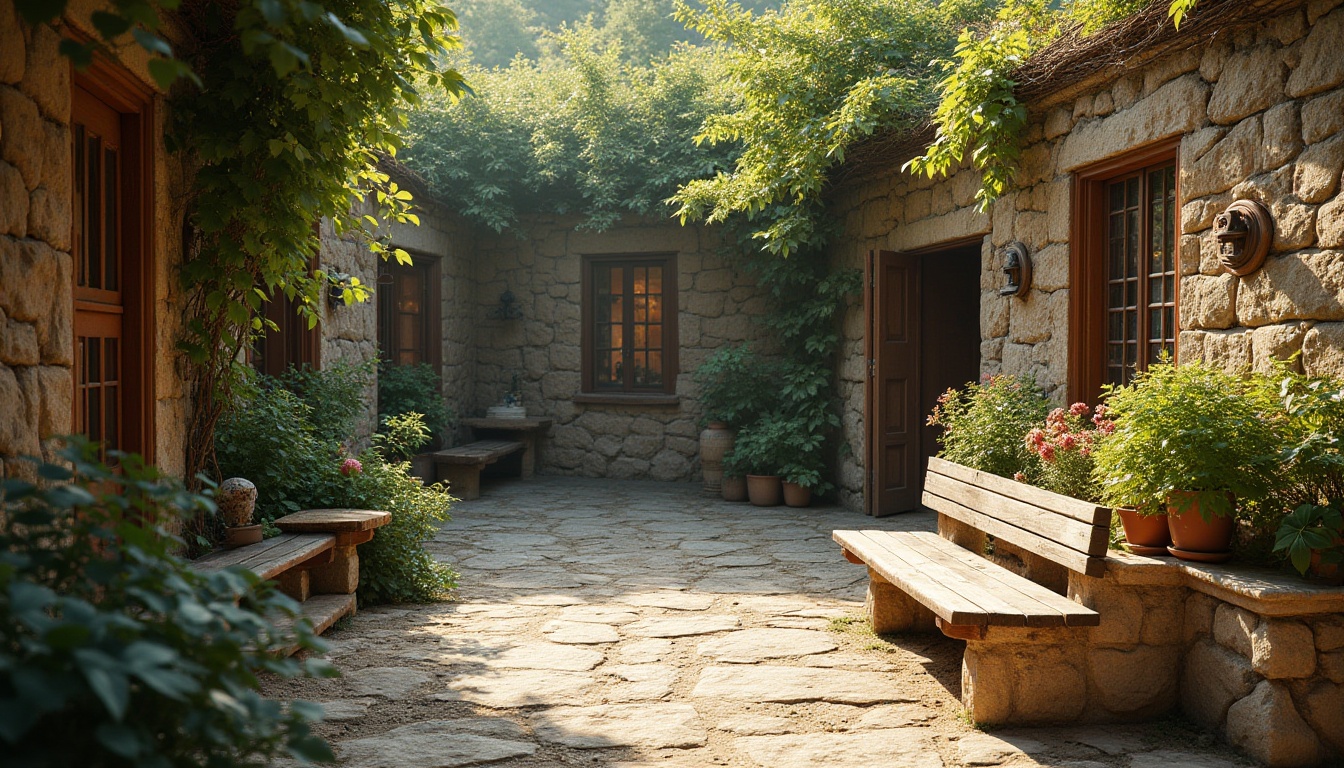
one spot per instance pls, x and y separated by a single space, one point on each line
617 623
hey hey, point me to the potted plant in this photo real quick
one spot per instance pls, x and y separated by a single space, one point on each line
756 456
1311 482
1312 538
733 392
1193 440
236 499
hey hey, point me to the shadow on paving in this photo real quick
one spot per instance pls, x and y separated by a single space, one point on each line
627 623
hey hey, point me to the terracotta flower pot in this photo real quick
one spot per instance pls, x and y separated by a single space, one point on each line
1329 573
796 495
1145 534
734 488
241 536
1193 537
715 443
765 490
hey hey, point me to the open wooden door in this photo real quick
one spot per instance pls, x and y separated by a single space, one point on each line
894 419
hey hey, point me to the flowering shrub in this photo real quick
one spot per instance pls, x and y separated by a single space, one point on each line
351 467
983 424
1064 448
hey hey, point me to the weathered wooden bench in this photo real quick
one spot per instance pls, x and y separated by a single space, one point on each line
461 467
1012 624
314 560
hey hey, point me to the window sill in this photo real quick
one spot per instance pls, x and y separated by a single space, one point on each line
624 398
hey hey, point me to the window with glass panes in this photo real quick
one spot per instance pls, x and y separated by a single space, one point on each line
1141 271
629 339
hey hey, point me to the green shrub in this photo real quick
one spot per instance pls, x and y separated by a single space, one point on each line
985 424
334 395
1190 428
1064 449
735 386
113 652
401 437
394 567
417 388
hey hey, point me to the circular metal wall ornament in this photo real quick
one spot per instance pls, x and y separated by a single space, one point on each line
1016 261
1244 231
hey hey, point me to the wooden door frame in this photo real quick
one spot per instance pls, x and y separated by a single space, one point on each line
870 353
120 90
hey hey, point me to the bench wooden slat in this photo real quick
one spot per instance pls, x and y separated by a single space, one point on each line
271 557
479 452
945 578
1069 558
1033 521
1057 503
945 602
333 520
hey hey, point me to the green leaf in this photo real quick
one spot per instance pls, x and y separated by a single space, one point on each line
119 739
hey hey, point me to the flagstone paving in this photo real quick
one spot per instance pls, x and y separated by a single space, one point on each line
632 624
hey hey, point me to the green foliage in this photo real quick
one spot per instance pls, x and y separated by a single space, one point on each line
736 385
394 567
978 116
579 132
813 78
1190 428
334 395
1313 462
1063 448
414 388
401 437
113 652
496 31
1312 528
984 425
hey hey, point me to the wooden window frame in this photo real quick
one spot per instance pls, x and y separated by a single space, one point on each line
432 317
1088 273
112 84
667 393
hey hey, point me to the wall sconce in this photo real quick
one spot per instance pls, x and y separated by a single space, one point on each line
508 308
1016 261
1244 231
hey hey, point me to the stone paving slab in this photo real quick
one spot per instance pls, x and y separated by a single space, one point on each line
629 624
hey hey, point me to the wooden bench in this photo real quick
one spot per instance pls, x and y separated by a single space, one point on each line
461 467
314 560
921 580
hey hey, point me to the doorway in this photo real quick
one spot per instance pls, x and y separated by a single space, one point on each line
923 336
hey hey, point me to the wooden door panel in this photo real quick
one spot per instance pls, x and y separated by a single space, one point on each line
894 382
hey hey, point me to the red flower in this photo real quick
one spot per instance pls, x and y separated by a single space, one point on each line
1078 409
351 467
1048 452
1067 442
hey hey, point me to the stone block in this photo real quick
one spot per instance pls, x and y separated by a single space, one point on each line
1034 318
1266 726
1283 649
1228 162
1332 665
1176 108
1282 136
18 424
1277 342
1321 67
12 46
56 386
1134 682
1163 70
1330 223
341 576
1329 630
1211 680
22 135
1297 286
1251 81
1317 175
1058 122
1233 628
1322 705
19 345
994 312
1323 116
1215 58
14 213
46 77
892 611
1199 612
1037 681
1208 301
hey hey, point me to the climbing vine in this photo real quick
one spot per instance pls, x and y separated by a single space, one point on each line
282 108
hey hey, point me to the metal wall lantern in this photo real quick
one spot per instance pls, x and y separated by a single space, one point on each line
1016 261
508 308
1244 231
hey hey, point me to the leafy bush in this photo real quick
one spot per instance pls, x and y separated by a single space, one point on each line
414 388
401 437
1312 528
984 424
780 445
736 386
1190 428
334 396
1064 448
1311 482
113 652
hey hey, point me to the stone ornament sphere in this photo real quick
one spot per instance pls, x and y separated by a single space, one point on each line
236 499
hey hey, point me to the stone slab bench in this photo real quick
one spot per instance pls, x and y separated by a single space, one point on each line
461 466
314 560
1014 627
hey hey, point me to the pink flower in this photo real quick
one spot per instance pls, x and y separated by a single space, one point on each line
1106 427
1078 409
1101 412
1036 438
1067 442
1085 451
1019 477
351 467
1048 452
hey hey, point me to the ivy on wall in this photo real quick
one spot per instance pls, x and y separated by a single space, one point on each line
282 109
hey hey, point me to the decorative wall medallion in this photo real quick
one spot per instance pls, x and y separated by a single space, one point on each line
1016 260
1244 231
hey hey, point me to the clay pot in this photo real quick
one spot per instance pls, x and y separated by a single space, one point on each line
765 490
796 495
1328 573
1145 531
1190 532
734 488
242 536
715 443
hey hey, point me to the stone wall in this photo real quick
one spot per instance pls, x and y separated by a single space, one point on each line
350 333
1259 113
543 269
36 305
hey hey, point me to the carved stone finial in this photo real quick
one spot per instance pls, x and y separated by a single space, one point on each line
236 499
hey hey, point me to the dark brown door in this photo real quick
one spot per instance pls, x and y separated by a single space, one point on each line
923 338
893 382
